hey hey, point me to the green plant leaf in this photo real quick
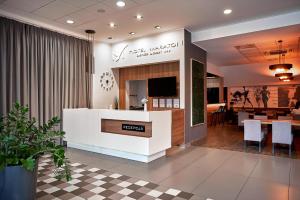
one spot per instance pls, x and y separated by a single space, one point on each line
12 161
22 140
28 163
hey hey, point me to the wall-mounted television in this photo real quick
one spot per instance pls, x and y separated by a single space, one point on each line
162 87
212 95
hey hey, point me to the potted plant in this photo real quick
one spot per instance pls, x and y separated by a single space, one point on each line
22 142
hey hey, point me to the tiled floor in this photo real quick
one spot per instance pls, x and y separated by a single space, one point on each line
231 137
99 184
209 173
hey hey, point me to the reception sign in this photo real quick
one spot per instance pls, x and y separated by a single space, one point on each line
133 127
123 127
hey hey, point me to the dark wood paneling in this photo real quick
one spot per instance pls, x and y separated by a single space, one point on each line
145 72
115 126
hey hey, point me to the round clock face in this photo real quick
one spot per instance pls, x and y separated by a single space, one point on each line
107 81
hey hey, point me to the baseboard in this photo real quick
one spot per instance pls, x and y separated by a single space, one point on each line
116 153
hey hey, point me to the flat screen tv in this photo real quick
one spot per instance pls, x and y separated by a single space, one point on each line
212 95
162 87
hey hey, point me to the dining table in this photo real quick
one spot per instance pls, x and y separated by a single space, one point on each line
269 121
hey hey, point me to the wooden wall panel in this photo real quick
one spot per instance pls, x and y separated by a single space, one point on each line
177 127
145 72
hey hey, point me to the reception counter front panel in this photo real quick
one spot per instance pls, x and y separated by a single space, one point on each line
100 130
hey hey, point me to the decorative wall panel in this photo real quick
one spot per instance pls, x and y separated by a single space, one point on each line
265 96
197 93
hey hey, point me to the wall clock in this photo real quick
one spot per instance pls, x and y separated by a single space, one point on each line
107 81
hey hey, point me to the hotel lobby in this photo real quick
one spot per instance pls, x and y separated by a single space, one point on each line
150 99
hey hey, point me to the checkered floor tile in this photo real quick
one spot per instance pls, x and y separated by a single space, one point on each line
99 184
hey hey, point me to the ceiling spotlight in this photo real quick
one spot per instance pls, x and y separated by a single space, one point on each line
131 33
157 27
227 11
69 21
112 25
139 17
120 4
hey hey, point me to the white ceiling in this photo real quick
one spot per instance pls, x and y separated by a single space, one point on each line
225 51
169 14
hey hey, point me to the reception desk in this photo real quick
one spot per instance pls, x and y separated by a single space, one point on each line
135 135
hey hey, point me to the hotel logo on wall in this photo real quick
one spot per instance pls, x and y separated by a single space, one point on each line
145 52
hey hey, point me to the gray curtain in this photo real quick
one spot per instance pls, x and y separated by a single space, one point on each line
45 70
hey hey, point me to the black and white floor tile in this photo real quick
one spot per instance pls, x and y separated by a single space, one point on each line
98 184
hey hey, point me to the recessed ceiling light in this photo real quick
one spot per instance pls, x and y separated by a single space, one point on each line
120 4
109 38
112 25
70 21
157 27
227 11
139 17
131 33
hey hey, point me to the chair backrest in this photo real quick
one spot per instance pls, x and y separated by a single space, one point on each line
252 130
282 132
285 117
241 117
259 117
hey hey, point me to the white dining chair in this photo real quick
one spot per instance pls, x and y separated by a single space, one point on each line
253 132
282 134
262 117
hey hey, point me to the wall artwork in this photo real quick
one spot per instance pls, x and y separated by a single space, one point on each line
162 103
176 103
265 96
169 103
197 84
155 103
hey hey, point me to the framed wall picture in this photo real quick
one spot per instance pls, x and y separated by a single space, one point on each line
264 96
169 103
176 103
162 103
155 103
197 94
